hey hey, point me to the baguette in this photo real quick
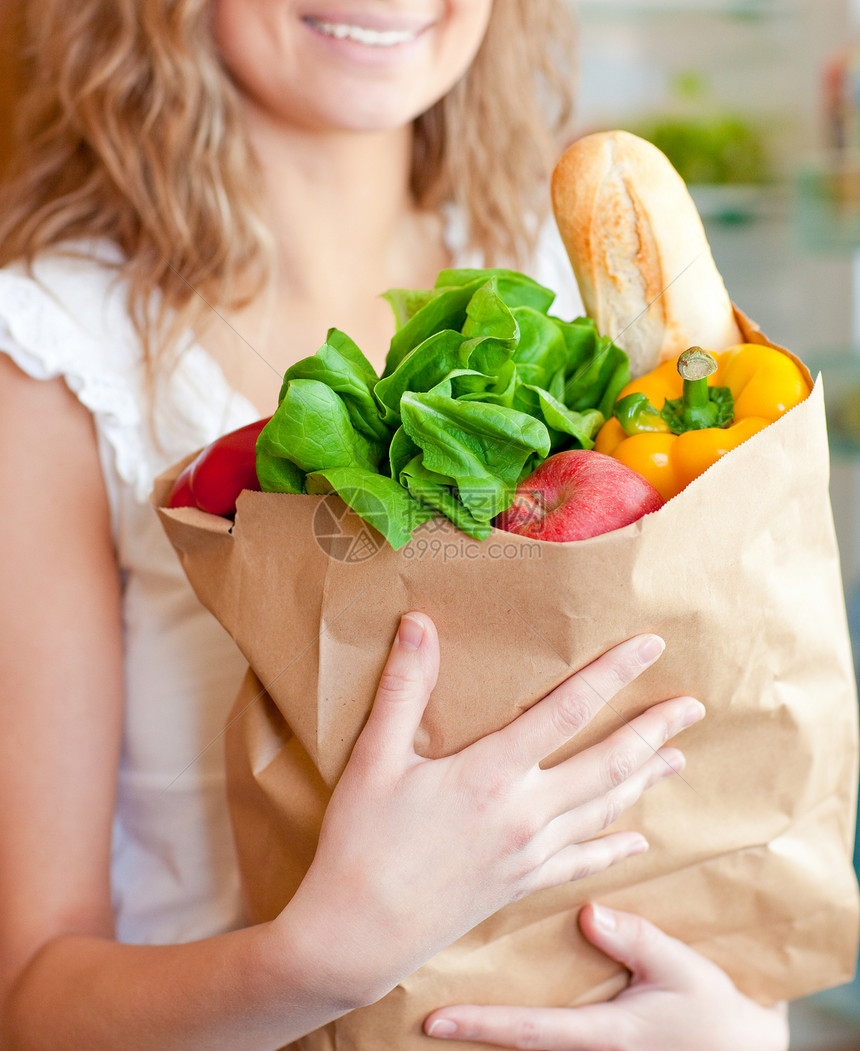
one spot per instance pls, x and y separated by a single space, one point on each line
639 250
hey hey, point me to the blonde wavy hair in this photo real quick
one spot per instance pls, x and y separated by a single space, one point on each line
131 131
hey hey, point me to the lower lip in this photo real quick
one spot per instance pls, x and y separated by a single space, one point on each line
366 54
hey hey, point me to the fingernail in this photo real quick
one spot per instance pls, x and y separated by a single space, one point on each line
639 847
442 1027
675 763
604 918
410 633
694 711
650 649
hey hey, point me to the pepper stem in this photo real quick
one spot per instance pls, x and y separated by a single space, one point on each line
700 405
696 364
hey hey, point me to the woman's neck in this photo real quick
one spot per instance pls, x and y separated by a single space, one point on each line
340 205
346 229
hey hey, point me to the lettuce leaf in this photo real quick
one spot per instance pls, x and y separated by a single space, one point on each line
481 383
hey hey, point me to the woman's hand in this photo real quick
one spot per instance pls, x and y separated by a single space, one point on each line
676 1000
415 852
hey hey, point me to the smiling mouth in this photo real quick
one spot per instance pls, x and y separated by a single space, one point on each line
363 34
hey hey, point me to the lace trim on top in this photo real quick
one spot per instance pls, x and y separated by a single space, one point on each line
70 321
47 342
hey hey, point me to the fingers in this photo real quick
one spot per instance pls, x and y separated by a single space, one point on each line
580 860
649 954
614 762
405 686
551 722
541 1029
676 999
572 852
592 789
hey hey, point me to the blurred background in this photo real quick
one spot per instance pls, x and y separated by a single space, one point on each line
757 103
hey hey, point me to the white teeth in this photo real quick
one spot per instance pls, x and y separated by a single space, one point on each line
371 37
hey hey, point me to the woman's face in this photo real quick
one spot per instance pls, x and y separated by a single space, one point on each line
359 65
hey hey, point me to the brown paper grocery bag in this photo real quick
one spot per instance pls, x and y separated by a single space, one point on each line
750 859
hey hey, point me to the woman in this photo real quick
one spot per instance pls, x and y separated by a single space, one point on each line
204 188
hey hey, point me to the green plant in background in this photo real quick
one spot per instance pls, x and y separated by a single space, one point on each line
708 145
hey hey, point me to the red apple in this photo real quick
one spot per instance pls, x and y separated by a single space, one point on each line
577 494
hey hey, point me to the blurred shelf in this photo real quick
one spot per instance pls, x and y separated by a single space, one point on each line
741 9
828 203
738 203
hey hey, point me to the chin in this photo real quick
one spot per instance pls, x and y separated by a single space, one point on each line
365 112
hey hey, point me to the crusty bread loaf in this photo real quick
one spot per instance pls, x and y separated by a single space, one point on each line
639 251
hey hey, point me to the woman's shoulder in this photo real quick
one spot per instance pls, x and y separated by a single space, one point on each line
67 307
65 315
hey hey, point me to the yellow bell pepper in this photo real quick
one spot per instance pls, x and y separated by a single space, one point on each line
708 404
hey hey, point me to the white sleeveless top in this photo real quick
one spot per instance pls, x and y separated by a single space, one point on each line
174 876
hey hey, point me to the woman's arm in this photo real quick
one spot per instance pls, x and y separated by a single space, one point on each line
405 839
60 671
64 981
